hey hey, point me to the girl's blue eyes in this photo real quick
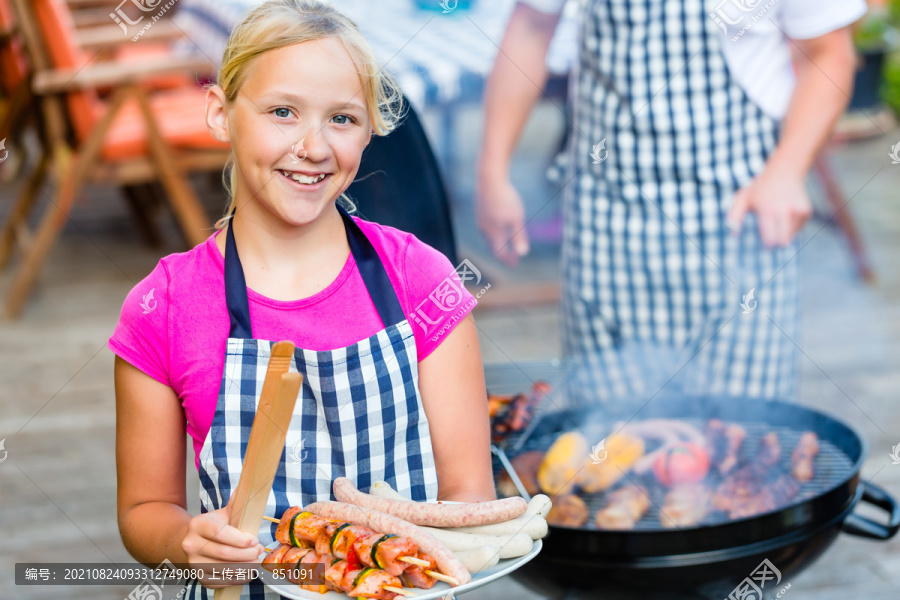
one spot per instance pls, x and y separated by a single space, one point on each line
283 113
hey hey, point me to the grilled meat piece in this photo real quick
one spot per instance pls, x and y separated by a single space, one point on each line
769 452
624 508
514 413
725 443
803 455
773 496
526 466
568 511
415 576
371 584
744 483
685 506
389 549
345 538
323 542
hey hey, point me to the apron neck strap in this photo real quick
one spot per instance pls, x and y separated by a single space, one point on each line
367 260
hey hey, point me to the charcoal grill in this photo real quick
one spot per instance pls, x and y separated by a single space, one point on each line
717 555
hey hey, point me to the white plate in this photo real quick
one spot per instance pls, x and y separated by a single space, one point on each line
501 569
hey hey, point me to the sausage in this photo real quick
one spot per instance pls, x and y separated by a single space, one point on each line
434 515
479 559
510 546
534 527
539 506
385 523
531 522
383 489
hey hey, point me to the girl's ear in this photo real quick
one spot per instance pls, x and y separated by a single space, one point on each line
217 113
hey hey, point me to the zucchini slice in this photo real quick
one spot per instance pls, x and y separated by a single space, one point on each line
362 575
375 562
335 535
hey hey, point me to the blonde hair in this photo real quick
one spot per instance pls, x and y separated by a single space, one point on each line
278 23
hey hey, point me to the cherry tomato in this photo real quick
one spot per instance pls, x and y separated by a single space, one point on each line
682 464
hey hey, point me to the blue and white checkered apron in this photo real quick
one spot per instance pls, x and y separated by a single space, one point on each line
653 279
359 414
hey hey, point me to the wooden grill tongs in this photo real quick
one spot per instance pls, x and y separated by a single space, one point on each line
267 437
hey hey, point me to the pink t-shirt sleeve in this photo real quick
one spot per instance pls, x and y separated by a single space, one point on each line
141 335
436 297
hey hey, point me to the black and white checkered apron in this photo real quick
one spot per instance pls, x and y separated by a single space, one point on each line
653 279
359 414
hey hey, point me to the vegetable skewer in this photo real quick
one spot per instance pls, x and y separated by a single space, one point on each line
373 549
339 575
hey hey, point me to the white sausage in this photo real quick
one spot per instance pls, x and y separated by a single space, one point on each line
384 523
479 559
510 545
535 527
539 506
435 515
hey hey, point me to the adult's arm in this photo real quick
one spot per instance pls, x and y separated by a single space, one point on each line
824 67
513 88
451 381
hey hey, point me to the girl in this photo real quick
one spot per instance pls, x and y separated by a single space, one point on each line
298 96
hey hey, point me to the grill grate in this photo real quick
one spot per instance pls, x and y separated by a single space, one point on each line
830 467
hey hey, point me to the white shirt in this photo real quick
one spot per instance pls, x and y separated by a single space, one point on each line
755 39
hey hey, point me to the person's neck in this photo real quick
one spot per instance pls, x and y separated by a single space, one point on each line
287 262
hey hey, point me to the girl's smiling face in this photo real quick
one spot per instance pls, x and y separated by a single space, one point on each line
298 127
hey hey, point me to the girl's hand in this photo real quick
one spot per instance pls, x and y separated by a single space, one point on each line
501 217
210 539
778 197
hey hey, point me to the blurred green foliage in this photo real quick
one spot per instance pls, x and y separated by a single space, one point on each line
879 33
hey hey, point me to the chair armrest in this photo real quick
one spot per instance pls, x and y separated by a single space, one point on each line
111 35
55 81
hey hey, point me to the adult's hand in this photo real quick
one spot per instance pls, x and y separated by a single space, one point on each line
778 197
501 217
210 539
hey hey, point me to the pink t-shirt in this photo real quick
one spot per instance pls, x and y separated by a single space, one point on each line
174 324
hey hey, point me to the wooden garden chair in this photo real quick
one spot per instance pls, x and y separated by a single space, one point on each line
136 137
15 92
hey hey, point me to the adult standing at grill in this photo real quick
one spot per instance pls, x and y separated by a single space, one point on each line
691 136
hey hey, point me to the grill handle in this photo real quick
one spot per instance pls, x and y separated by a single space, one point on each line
861 526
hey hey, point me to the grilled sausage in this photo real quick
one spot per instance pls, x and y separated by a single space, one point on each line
385 523
434 515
